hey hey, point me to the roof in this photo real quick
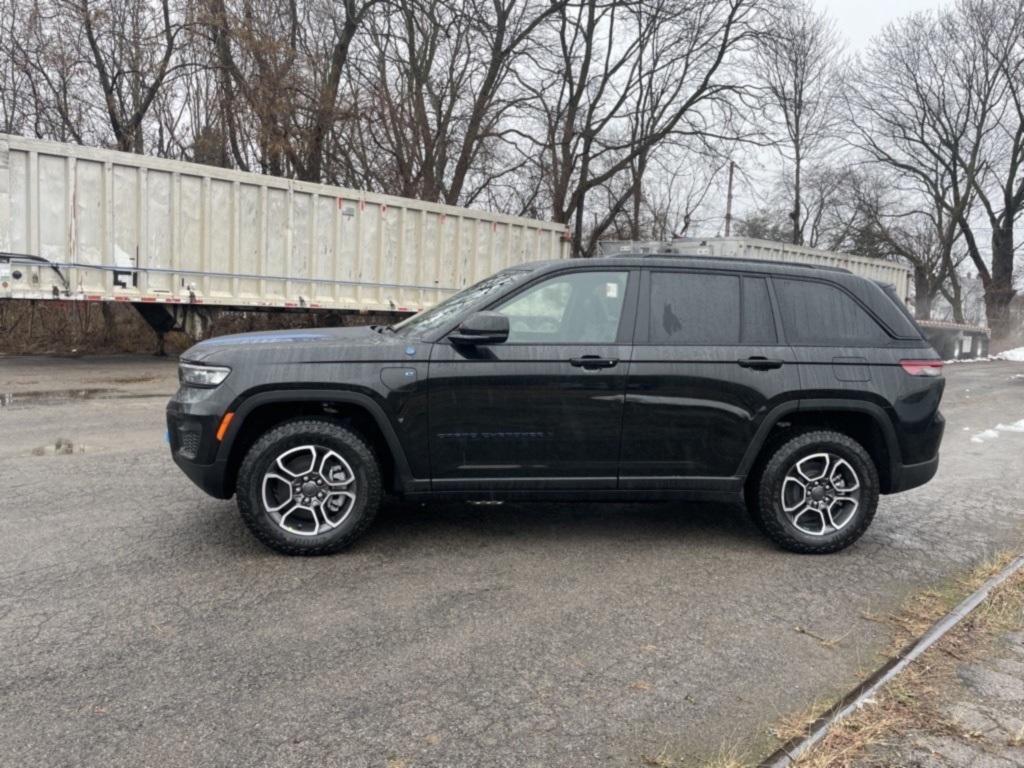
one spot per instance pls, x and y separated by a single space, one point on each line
691 260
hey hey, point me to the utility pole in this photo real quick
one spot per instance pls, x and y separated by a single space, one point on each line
728 202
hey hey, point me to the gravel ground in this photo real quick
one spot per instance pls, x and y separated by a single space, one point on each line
141 625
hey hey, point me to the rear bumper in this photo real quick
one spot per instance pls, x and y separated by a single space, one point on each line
912 475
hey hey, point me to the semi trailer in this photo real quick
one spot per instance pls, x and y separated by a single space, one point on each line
176 238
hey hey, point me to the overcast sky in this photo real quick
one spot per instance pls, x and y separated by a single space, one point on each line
859 20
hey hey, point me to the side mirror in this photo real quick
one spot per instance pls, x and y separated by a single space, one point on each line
481 328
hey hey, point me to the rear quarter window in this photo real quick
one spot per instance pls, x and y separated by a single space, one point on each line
815 313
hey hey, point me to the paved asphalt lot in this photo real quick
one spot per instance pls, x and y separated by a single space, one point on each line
141 625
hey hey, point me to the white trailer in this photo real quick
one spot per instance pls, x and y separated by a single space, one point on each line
96 225
890 272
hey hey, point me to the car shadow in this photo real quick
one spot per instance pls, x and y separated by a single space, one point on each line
409 528
400 523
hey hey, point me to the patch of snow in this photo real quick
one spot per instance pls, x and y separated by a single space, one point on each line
1014 355
1011 355
1017 426
981 437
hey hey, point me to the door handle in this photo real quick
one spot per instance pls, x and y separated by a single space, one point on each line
759 363
593 362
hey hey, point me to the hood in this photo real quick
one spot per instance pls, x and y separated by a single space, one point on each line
304 344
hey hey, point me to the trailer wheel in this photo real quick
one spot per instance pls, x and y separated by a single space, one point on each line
309 487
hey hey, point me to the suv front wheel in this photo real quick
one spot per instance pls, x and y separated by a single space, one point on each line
818 493
309 487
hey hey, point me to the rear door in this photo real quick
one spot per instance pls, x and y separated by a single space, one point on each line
708 364
544 409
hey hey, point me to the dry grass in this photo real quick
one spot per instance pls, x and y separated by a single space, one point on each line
909 703
728 757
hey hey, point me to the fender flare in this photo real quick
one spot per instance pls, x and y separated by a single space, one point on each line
779 412
245 404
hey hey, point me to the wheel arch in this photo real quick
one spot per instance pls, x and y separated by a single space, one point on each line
862 420
256 413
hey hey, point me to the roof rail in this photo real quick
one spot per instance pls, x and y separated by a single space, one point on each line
719 259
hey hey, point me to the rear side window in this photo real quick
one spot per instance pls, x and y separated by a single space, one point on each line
819 313
694 308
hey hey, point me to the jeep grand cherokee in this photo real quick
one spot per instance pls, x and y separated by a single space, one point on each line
803 392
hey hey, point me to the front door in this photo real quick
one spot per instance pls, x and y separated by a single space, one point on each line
542 410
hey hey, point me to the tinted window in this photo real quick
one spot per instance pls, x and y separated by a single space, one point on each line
758 321
575 308
694 308
818 313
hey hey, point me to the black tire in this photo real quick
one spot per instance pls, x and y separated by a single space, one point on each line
328 436
769 512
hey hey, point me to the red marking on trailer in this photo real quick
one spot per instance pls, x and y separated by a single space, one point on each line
94 297
149 298
122 298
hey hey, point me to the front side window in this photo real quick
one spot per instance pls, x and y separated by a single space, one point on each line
574 308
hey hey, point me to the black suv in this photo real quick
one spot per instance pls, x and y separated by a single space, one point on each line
803 391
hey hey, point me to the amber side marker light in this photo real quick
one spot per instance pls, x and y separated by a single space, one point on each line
922 367
224 424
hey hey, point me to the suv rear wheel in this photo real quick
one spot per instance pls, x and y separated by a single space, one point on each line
309 487
818 493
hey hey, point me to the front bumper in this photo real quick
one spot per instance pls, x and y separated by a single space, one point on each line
192 433
212 478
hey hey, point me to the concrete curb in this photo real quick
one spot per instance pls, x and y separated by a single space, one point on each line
793 749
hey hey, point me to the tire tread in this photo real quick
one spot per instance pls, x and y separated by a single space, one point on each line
250 509
768 521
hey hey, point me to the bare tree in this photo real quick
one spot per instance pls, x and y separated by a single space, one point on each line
131 44
798 63
921 106
284 61
891 225
993 32
619 78
438 96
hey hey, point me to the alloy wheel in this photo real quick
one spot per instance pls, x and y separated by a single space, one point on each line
820 494
308 490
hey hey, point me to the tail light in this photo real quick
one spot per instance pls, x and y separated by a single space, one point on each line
922 367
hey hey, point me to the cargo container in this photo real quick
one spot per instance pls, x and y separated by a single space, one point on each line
90 224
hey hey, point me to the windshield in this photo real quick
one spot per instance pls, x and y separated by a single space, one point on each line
441 314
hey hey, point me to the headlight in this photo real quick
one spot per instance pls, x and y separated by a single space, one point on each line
193 375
